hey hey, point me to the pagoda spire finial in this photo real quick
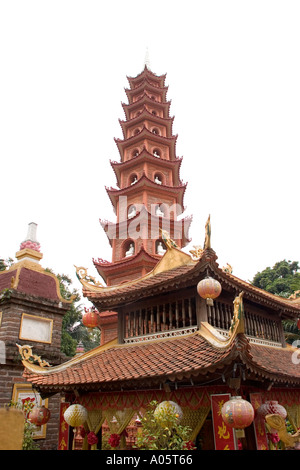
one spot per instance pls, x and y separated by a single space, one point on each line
30 247
147 60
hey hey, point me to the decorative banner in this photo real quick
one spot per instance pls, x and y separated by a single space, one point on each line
63 437
224 436
259 423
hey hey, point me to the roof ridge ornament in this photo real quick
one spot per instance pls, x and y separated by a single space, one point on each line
207 241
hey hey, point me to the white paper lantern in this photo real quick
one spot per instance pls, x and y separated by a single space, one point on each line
76 415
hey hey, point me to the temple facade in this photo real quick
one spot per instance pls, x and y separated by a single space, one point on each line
186 330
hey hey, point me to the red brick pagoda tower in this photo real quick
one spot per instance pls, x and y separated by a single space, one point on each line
149 196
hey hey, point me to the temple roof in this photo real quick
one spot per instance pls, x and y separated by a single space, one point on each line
196 355
31 279
181 358
178 269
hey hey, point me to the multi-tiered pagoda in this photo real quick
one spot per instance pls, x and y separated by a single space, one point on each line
149 196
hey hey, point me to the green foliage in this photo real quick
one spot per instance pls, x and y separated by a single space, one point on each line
73 331
282 279
5 263
157 434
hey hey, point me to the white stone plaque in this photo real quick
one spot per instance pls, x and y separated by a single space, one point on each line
36 328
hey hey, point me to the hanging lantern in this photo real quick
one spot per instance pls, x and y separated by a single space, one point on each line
90 318
164 410
39 415
76 415
238 414
209 289
272 407
298 323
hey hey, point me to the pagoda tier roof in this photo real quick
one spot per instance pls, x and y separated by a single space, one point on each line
146 134
143 101
145 114
146 72
126 265
146 87
144 155
145 182
200 356
145 216
177 269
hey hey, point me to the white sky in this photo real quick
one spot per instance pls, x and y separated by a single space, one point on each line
233 73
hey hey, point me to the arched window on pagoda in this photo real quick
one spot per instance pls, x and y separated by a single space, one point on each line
155 131
133 179
137 131
128 248
158 178
135 153
160 247
156 153
159 210
131 211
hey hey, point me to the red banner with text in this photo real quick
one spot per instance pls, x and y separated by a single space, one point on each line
63 436
259 423
224 436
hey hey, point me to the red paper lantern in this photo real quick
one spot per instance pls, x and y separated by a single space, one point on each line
209 289
298 323
90 319
272 407
39 415
238 414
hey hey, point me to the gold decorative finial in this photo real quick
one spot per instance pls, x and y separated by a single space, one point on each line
207 243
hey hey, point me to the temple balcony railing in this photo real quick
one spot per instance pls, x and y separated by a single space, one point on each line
258 328
179 317
172 318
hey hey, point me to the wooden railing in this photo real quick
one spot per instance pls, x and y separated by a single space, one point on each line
179 317
157 319
258 326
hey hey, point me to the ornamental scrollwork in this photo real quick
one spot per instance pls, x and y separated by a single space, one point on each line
27 355
82 275
196 252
